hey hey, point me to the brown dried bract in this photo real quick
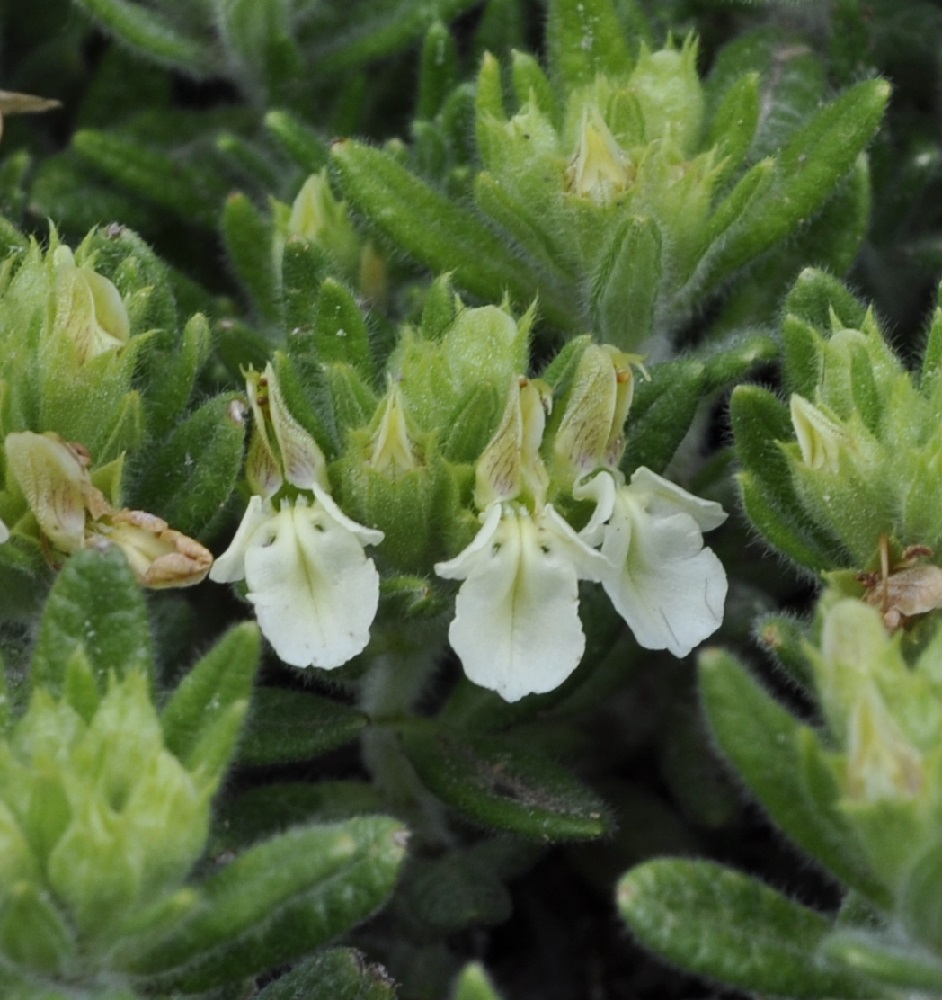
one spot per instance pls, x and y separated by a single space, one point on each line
906 590
159 555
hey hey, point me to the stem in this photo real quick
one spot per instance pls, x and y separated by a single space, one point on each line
389 693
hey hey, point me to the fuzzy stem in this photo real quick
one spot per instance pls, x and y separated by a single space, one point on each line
390 691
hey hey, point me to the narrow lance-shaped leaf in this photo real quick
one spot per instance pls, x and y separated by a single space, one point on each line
438 71
498 784
298 140
152 35
779 760
432 228
380 29
808 169
729 927
585 38
338 974
189 478
885 963
274 903
661 414
626 288
201 721
96 606
287 726
248 237
191 195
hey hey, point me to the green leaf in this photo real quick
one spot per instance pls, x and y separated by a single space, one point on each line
202 720
760 421
474 984
919 901
152 35
626 286
265 810
497 783
191 195
338 974
248 238
378 29
780 531
274 903
432 228
189 477
735 121
808 170
584 38
304 266
168 379
889 963
438 71
287 726
816 293
779 759
661 413
33 934
340 332
299 141
95 607
729 927
455 892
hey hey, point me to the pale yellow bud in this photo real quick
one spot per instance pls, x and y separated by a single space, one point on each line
89 309
392 446
281 448
591 432
599 170
881 763
510 463
820 438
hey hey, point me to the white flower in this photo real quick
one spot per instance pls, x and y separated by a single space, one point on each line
314 589
661 580
4 532
516 626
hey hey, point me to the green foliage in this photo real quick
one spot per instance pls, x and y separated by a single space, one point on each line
228 274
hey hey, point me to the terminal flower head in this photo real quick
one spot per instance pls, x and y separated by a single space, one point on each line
314 589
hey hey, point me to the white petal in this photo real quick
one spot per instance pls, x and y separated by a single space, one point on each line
662 581
665 497
478 551
602 489
367 536
516 626
315 592
230 566
4 532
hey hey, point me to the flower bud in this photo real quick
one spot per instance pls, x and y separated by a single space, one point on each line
820 438
316 215
881 763
599 169
89 309
281 448
511 465
591 432
392 447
